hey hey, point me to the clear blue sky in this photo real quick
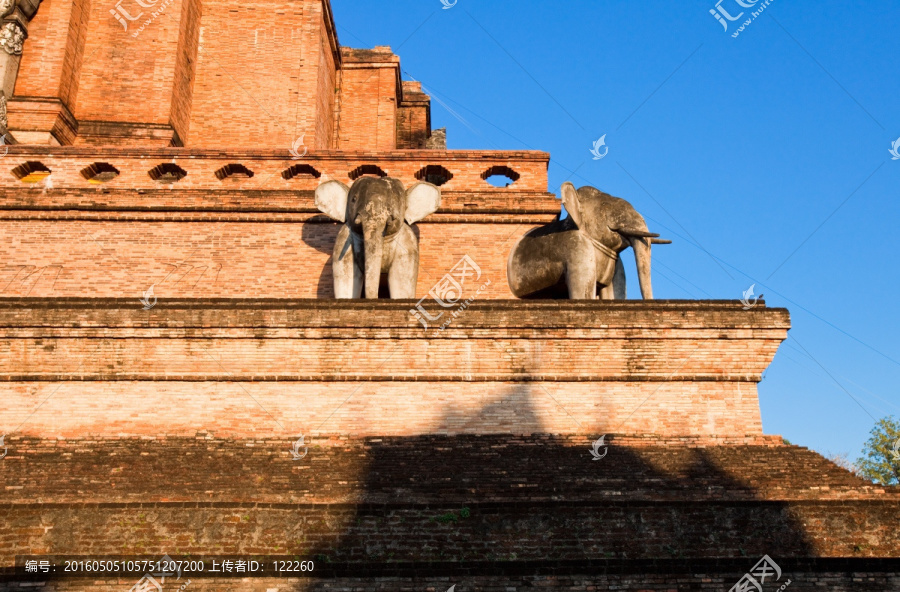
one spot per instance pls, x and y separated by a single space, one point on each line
765 157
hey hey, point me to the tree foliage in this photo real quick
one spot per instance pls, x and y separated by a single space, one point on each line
881 460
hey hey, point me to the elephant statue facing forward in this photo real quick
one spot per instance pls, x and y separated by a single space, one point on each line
376 236
583 249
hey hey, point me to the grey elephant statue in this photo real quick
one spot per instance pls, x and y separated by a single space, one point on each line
376 236
582 251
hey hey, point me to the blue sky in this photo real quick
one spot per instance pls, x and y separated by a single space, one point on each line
765 157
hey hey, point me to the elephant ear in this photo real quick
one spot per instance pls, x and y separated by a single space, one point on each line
331 199
422 199
572 202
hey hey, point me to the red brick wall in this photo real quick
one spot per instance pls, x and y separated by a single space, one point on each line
225 409
263 237
653 509
508 367
326 91
125 78
413 117
269 259
467 167
253 74
51 57
365 537
187 72
185 68
369 100
49 73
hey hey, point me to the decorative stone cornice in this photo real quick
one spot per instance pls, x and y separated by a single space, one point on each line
15 15
12 38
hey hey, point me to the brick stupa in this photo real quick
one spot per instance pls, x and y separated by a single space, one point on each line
182 153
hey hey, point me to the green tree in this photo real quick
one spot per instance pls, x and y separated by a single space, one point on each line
881 461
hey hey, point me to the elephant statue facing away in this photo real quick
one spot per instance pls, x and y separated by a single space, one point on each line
583 249
376 236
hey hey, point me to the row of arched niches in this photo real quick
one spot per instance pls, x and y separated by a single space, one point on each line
168 173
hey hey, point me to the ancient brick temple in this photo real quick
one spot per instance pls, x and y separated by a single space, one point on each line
169 331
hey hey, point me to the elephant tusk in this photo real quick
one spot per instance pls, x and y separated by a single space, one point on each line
660 241
639 233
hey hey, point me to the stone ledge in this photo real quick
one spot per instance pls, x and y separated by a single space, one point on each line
321 312
279 205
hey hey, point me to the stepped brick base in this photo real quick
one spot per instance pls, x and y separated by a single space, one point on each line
479 511
239 368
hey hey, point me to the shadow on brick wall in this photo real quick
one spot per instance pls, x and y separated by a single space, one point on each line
440 506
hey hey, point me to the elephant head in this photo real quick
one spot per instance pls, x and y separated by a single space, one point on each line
376 236
583 249
615 224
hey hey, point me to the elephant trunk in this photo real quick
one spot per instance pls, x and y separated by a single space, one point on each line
373 241
641 246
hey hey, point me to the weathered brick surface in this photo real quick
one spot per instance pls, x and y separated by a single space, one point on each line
502 366
413 117
179 75
77 409
280 256
556 531
397 503
268 165
370 83
425 470
261 237
257 78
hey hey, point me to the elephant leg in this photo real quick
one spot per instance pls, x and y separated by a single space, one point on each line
582 285
620 291
404 270
615 288
348 276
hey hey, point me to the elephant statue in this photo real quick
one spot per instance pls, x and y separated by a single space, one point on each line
376 236
583 249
